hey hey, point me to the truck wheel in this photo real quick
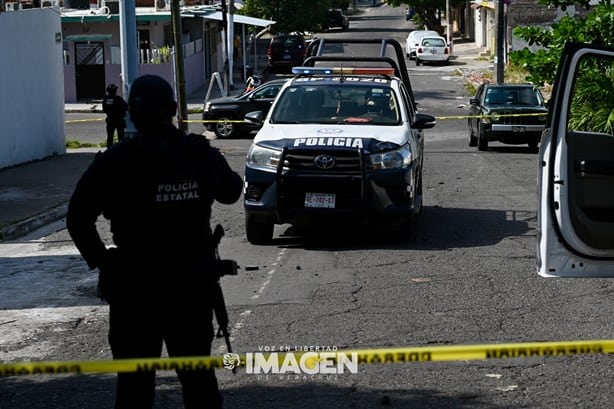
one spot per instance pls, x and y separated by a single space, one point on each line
418 194
473 141
258 232
224 129
482 140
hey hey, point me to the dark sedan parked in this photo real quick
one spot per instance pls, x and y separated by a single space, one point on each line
508 113
228 111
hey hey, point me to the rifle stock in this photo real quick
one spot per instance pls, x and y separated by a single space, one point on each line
219 305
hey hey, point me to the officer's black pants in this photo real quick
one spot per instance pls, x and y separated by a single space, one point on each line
137 330
111 128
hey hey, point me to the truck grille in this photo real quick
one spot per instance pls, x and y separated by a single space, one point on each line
512 120
344 179
346 161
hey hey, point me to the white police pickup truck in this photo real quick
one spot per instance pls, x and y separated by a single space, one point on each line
341 144
575 210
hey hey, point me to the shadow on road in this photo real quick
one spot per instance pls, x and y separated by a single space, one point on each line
437 228
97 392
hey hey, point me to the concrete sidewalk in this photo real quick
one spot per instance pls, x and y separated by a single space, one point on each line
37 193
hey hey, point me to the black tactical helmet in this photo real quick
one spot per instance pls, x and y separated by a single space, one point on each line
112 89
151 101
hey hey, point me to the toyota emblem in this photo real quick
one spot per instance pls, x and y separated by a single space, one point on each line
324 161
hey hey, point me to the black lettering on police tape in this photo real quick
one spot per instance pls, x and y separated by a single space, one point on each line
14 370
39 370
542 351
389 357
178 366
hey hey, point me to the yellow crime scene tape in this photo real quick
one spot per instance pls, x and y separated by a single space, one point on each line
437 117
212 121
360 356
489 116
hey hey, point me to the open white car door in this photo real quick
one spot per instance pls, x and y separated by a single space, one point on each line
575 211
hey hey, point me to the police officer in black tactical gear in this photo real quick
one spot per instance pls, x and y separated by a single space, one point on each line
115 107
157 190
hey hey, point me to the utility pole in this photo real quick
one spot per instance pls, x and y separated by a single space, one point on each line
182 112
500 62
129 52
449 22
225 45
231 41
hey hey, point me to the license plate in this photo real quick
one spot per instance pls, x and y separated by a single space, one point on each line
287 57
518 128
321 200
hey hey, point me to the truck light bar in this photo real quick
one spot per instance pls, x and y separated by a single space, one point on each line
343 70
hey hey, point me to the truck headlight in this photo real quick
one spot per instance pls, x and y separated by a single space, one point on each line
398 158
263 158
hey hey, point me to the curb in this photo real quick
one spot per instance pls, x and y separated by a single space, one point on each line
19 229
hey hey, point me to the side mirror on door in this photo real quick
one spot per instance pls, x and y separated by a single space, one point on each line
423 121
254 117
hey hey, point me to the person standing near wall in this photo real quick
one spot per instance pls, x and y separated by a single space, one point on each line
115 108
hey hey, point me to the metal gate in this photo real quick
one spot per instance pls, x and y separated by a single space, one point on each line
89 70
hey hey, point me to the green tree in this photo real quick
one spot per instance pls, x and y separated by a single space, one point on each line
427 11
597 28
589 113
290 15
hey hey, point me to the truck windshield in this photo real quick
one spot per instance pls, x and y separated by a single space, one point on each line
348 104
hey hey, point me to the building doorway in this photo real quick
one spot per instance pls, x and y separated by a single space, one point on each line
89 70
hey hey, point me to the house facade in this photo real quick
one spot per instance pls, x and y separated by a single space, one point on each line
92 53
481 20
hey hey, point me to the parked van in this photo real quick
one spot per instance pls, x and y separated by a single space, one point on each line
286 51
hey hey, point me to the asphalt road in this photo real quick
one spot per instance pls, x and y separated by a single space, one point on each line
468 278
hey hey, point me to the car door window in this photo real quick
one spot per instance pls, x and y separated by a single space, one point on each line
267 92
590 152
575 209
409 108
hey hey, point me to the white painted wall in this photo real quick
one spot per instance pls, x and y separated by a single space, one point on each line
31 86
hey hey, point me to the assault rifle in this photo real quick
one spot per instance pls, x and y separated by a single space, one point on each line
223 267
